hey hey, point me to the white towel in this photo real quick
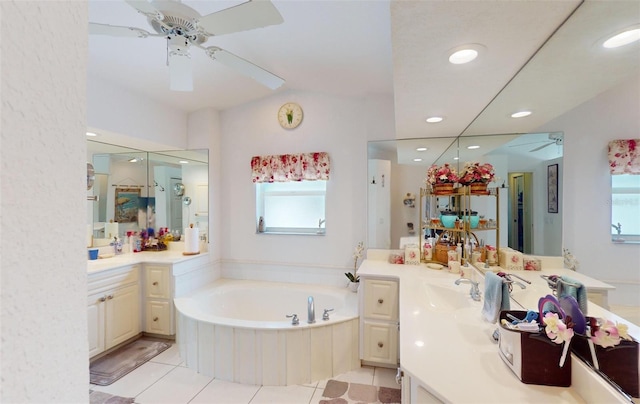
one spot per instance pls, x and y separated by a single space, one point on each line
496 297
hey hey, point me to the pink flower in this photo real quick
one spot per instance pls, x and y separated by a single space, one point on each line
556 329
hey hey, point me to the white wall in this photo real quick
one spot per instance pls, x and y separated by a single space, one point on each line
331 124
42 228
587 185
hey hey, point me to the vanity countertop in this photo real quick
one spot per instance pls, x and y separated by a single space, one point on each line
447 346
151 257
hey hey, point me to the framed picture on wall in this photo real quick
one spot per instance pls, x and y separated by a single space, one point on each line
552 188
126 209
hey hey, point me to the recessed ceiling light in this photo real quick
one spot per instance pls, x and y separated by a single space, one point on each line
456 158
421 149
520 114
464 53
473 147
91 134
417 159
183 162
623 38
133 160
434 119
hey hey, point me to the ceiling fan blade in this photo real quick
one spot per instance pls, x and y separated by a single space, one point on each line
243 17
114 30
144 7
245 67
541 147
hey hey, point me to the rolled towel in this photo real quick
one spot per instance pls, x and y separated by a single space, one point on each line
496 297
570 287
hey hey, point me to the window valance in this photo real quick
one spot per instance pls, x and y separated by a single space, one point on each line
624 157
290 167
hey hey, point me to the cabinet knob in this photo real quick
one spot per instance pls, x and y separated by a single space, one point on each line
155 319
103 298
155 283
109 297
380 301
380 344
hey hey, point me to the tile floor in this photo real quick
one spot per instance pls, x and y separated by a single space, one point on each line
164 379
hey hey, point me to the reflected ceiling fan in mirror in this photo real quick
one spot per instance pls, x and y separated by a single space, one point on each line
183 28
554 139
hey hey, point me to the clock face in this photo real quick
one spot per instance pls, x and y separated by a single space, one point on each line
290 115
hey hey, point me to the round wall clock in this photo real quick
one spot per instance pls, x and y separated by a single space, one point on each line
290 115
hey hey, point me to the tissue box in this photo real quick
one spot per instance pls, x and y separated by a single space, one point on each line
619 363
531 263
532 356
510 260
412 255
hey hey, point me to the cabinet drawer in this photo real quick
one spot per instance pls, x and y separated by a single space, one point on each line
157 282
158 318
381 299
380 343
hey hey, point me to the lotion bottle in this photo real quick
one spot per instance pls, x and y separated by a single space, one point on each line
459 252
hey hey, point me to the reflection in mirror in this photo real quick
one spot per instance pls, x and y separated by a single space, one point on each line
521 162
625 205
136 190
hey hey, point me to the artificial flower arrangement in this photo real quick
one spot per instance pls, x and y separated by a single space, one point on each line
607 334
443 174
357 254
476 172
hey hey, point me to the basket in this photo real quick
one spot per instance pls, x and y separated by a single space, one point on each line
532 356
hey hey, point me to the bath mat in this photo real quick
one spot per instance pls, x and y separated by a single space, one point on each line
118 363
337 392
98 397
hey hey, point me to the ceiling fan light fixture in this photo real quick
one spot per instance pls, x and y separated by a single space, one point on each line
629 35
520 114
434 119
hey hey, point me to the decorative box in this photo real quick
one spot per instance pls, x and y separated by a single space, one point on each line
412 255
619 363
532 356
531 263
509 259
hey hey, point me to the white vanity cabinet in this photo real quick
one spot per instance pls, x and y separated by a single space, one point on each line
158 299
379 327
113 309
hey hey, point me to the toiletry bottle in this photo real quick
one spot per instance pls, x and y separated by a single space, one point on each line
459 252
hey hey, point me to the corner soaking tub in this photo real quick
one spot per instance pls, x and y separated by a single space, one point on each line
237 330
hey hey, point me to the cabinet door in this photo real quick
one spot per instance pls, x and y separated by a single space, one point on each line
157 282
122 315
381 342
95 322
381 299
158 317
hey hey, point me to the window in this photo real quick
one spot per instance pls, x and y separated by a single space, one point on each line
625 205
296 207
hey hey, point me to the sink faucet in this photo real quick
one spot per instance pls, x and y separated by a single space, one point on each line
320 223
474 292
311 311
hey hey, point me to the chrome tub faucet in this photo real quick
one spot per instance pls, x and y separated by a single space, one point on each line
311 311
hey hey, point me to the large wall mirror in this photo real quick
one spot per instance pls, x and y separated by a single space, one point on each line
140 190
397 171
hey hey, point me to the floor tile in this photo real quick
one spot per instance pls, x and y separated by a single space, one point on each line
385 377
220 391
283 395
364 375
169 357
137 381
178 386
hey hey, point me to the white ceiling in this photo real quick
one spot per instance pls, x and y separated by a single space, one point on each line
399 48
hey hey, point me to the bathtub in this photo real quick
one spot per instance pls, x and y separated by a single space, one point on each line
237 330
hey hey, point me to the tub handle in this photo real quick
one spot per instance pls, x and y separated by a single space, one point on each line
380 301
294 319
325 315
380 344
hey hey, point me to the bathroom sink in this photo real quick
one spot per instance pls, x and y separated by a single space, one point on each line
448 298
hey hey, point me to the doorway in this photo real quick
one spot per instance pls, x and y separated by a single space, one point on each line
521 212
175 206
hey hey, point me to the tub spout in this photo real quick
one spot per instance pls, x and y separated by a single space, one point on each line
311 311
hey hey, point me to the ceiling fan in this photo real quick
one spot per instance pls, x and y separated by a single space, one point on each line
183 28
554 138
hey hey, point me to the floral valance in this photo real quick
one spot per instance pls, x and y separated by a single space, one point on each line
624 157
290 167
